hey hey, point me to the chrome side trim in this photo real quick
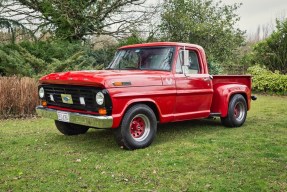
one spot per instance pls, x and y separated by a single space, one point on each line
77 118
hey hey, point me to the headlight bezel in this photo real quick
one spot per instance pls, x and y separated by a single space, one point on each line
41 92
100 98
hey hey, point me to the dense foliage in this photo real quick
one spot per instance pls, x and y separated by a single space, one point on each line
39 58
268 81
203 22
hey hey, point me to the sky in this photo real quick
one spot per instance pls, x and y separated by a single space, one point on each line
255 12
258 12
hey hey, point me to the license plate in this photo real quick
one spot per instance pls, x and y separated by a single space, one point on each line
63 116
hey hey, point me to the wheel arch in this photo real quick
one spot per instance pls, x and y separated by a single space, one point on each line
224 93
149 102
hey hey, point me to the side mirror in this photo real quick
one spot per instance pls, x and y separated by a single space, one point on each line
185 58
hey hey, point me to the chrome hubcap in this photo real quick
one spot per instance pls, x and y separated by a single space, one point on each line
239 111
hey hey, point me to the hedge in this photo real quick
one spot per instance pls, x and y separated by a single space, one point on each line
267 81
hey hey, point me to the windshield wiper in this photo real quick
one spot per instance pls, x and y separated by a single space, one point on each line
130 68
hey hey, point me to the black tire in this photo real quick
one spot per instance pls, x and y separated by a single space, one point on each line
138 128
237 112
70 129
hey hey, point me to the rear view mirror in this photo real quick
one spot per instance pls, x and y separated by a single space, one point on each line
185 57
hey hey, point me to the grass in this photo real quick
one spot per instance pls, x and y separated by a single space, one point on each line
197 155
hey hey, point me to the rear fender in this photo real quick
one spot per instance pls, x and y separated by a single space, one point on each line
222 95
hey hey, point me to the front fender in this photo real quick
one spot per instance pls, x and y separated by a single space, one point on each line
222 95
117 118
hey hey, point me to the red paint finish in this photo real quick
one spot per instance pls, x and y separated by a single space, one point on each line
227 85
173 96
193 96
163 97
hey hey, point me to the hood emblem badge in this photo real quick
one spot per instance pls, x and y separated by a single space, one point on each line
67 98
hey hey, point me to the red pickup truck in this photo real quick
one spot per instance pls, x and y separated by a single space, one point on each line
145 84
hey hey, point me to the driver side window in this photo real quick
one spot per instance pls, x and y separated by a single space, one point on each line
192 68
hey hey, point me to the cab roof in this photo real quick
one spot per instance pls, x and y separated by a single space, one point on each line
155 44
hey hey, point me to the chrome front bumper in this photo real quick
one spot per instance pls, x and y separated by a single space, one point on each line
77 118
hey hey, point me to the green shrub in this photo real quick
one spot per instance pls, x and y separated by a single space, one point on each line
49 50
13 62
34 59
214 68
267 81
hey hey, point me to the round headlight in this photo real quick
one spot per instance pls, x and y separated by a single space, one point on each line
100 98
41 93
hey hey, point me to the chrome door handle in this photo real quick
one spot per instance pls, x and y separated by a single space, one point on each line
208 78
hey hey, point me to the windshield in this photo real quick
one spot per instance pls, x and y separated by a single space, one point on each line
155 58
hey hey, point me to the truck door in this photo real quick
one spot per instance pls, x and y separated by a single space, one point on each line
193 87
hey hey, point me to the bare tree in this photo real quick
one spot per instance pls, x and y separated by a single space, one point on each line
265 30
73 20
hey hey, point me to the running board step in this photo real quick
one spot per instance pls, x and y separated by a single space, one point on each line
214 114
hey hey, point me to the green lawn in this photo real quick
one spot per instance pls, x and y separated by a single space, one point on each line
187 156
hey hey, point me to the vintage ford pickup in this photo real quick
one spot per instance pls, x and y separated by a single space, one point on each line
145 84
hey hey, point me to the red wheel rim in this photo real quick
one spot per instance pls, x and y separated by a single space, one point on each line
239 111
236 111
137 127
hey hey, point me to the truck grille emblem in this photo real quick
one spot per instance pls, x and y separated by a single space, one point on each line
67 98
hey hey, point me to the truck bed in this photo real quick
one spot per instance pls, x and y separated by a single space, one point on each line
230 79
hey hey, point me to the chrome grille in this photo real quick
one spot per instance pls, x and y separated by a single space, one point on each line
88 93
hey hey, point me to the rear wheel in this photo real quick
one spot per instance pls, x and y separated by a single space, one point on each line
237 112
70 129
138 128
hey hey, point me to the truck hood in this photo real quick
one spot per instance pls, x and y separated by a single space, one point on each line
107 78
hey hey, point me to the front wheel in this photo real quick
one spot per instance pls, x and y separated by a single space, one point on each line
138 128
237 112
70 129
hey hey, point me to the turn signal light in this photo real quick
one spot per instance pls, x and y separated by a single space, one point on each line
102 111
118 83
44 103
126 83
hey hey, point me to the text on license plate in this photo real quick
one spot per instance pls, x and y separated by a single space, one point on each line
63 116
